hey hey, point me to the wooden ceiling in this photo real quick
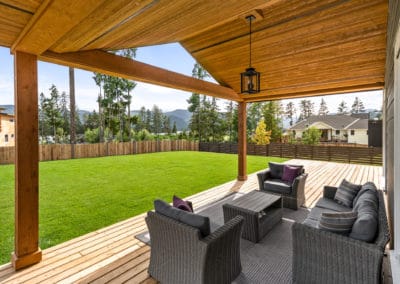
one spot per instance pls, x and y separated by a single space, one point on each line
302 48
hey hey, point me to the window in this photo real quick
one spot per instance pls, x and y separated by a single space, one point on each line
6 138
11 120
351 132
12 135
294 132
337 132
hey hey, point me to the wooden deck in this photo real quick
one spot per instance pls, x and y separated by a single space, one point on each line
113 255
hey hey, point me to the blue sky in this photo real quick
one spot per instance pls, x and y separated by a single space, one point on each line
170 56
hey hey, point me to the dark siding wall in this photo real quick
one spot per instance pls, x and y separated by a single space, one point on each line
375 133
393 21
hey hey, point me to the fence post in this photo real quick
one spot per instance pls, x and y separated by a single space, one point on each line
312 152
349 154
370 155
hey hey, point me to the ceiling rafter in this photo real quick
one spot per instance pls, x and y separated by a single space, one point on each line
50 22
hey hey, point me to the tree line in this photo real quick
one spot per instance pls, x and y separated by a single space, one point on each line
113 120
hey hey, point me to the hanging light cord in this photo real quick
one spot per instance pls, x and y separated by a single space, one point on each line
250 18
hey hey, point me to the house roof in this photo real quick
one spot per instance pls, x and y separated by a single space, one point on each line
333 121
359 124
302 48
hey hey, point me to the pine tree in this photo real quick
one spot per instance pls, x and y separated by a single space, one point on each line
357 106
342 108
197 106
323 108
52 111
229 120
306 109
290 111
73 114
114 101
272 120
255 114
157 120
174 130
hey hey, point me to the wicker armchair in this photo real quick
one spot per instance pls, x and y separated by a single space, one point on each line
179 254
293 197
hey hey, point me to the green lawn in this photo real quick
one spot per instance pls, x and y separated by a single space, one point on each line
80 196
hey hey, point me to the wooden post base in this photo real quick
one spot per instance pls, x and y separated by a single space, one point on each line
242 178
26 260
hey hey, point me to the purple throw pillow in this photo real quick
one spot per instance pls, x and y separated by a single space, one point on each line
182 204
290 173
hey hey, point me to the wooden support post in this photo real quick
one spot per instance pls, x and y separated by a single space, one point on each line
27 251
242 145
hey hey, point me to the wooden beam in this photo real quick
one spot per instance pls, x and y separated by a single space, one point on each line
242 145
27 251
50 22
114 65
265 96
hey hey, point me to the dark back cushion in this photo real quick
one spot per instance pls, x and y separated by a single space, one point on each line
197 221
346 193
365 188
365 228
276 170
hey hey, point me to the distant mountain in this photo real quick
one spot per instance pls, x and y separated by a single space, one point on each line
181 117
82 114
183 114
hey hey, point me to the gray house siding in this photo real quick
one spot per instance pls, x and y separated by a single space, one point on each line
393 23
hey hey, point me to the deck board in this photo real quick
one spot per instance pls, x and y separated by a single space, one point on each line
113 255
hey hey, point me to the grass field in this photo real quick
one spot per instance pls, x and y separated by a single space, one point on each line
83 195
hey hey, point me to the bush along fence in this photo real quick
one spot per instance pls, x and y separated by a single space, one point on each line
52 152
346 154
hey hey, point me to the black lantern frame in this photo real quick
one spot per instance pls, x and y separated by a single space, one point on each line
250 81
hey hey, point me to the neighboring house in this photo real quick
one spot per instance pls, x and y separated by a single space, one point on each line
336 128
7 136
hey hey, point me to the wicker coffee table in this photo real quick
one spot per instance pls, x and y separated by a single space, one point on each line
261 212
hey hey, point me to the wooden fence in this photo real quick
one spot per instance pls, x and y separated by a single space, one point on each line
347 154
52 152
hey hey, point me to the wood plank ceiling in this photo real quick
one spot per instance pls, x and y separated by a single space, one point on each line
302 48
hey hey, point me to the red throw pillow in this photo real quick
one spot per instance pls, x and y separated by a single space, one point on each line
290 173
182 204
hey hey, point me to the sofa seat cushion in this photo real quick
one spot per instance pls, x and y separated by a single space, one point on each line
197 221
278 186
311 223
316 213
331 204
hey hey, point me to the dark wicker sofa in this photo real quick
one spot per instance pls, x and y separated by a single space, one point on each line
292 192
181 254
321 256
